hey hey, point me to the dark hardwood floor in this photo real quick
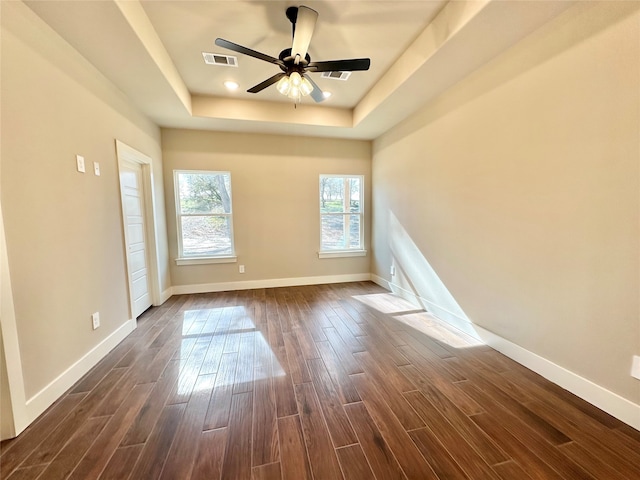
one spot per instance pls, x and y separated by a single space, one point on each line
316 382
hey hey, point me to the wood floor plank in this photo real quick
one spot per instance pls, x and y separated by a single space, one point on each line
48 449
65 462
591 463
156 448
112 400
535 440
307 343
236 464
353 462
283 386
439 458
265 420
243 381
343 384
409 457
322 456
391 388
535 467
343 351
337 421
349 339
181 457
26 473
122 462
598 445
104 446
430 382
510 471
375 448
494 398
208 462
271 471
144 422
19 448
456 443
297 364
293 453
220 403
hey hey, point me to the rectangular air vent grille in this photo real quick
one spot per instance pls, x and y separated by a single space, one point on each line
219 59
336 75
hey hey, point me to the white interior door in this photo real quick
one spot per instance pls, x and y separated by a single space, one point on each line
131 186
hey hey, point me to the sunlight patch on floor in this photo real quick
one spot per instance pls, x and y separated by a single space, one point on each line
386 302
204 335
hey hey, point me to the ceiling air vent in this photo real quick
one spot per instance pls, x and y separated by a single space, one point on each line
336 75
218 59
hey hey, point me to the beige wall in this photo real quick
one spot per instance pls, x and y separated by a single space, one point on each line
63 229
513 198
275 201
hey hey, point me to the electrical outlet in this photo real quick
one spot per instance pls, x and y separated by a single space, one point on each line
635 367
241 268
95 320
80 163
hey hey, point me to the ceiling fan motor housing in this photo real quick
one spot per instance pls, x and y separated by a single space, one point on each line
289 61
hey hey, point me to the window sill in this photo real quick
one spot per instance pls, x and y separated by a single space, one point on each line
206 260
342 253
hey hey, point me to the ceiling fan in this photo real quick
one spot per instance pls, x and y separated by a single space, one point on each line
295 63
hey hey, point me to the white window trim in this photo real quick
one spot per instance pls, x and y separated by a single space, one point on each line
209 259
360 252
205 260
342 253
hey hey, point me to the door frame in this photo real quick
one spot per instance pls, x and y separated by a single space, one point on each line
125 153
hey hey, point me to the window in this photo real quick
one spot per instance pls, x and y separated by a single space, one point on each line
204 218
341 224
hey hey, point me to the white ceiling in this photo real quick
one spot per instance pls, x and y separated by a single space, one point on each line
152 50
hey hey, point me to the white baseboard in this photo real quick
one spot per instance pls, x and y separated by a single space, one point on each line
49 394
268 283
612 403
164 296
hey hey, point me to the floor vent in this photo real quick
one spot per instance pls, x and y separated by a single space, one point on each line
218 59
336 75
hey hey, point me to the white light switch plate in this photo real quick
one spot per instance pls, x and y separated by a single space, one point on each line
95 320
635 368
80 163
96 168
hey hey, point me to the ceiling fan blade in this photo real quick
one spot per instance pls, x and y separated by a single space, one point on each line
304 27
351 65
316 93
247 51
268 82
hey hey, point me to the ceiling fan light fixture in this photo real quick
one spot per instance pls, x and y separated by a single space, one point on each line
305 87
294 86
294 93
296 79
283 85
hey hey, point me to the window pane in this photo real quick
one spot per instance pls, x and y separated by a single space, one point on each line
354 194
331 194
206 235
333 232
354 232
204 193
